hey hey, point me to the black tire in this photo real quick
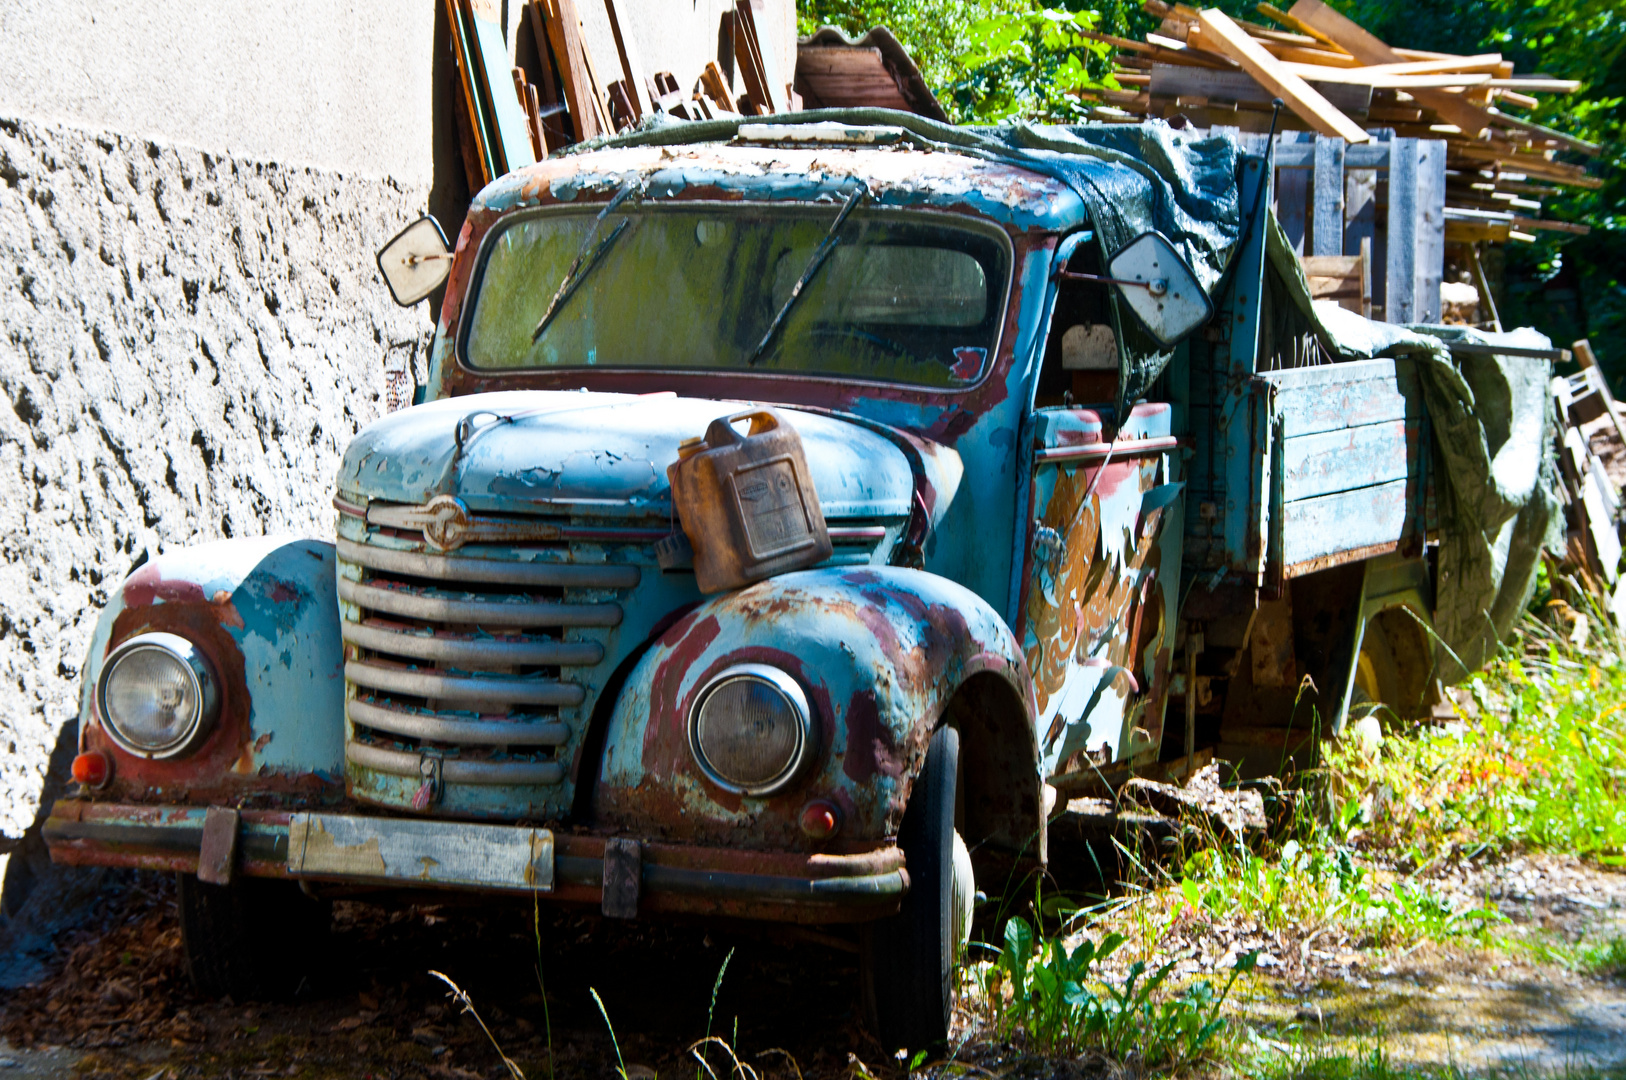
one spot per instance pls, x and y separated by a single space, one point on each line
251 940
908 959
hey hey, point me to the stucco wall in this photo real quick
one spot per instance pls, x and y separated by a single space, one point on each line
191 326
189 342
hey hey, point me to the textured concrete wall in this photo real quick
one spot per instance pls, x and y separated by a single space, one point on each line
187 343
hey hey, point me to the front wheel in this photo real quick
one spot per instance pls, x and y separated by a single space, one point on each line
251 940
908 959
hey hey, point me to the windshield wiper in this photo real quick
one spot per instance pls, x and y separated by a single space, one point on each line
820 254
587 259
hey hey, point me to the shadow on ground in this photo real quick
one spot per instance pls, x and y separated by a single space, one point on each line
374 1010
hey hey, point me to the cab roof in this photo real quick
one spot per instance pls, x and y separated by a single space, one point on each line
781 170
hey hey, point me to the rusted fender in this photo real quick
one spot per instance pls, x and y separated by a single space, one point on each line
265 612
881 653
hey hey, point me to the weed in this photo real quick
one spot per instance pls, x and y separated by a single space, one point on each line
1052 996
711 1010
1607 959
541 986
462 997
620 1062
1540 762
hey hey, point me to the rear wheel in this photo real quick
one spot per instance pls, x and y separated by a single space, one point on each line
908 959
250 940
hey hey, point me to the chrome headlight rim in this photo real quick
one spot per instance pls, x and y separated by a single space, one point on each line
204 685
783 683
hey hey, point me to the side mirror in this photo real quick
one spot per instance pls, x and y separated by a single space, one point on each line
1159 288
416 261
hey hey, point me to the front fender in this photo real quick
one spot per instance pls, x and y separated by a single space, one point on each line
266 613
880 652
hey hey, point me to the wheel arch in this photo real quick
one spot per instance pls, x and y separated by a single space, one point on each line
1001 795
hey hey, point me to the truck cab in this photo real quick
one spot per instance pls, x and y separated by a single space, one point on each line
495 678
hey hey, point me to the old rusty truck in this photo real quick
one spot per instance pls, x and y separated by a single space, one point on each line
1077 441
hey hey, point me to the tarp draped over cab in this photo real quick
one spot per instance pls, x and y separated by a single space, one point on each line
1489 414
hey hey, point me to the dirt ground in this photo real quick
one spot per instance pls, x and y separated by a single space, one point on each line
1526 1006
119 1007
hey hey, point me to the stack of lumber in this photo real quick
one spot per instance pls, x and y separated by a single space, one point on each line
1338 80
1591 450
514 108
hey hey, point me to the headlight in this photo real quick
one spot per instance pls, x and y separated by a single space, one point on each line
157 695
751 729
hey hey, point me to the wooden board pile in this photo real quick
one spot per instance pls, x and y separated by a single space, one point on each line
1591 451
511 116
1336 79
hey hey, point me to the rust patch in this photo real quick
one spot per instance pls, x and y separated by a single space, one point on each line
870 749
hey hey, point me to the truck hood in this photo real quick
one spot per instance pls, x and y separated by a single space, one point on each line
605 455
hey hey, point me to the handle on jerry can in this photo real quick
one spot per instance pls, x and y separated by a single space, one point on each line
722 433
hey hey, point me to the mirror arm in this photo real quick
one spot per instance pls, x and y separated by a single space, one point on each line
1149 286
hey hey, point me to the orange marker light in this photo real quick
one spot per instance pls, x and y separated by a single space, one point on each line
820 819
92 769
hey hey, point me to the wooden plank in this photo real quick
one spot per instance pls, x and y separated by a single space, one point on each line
1370 50
1301 97
717 86
1430 209
1293 198
1332 397
533 119
1346 521
596 83
632 68
554 133
565 37
1503 119
506 124
1486 62
1327 197
1538 85
469 89
1371 155
1402 233
1271 11
1171 80
762 66
1356 457
1371 76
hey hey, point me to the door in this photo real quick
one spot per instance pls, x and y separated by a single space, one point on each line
1101 588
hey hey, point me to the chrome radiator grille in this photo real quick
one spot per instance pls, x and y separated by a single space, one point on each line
459 667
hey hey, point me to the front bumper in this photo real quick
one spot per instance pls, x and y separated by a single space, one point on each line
664 878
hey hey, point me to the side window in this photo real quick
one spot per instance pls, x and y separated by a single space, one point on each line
1081 353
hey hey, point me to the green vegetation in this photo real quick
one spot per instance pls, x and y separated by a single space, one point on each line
1047 994
988 61
1535 763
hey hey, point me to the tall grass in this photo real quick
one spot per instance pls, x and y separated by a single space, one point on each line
1537 761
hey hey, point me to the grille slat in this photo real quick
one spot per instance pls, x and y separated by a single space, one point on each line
407 763
474 689
475 654
457 666
488 571
417 603
471 732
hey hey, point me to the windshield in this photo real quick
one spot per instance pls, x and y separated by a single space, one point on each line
913 297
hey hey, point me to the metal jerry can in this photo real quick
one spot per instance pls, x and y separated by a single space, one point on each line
746 502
